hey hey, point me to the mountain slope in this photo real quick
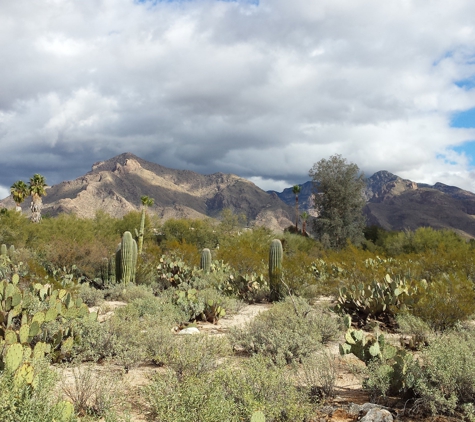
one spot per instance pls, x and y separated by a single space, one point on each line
397 204
116 186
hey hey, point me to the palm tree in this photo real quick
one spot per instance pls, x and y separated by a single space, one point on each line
296 190
146 202
37 190
19 191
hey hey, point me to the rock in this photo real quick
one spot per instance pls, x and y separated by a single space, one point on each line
189 331
377 415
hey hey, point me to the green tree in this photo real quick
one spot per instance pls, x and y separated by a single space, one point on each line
296 190
37 191
339 201
19 191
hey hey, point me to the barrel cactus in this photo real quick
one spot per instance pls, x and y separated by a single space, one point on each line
275 269
205 263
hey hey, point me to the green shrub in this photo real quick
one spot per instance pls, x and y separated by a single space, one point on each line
415 328
90 296
228 393
446 301
193 355
287 332
133 291
445 380
318 375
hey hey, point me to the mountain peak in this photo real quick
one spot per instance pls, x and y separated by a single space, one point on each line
383 184
112 163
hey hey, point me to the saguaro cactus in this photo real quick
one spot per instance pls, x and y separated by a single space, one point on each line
146 202
112 264
275 269
128 258
205 263
105 271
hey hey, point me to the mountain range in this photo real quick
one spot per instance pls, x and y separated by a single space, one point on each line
116 186
394 203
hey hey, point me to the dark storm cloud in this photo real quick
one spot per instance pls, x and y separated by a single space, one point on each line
262 90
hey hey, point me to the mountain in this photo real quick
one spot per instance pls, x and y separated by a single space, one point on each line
394 203
305 198
116 186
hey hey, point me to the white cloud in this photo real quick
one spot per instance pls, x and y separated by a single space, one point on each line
4 192
263 91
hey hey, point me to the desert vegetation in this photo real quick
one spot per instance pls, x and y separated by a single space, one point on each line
401 302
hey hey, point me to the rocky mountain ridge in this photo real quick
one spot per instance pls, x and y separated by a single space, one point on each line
116 186
394 203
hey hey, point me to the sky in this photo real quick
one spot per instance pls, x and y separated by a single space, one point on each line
259 88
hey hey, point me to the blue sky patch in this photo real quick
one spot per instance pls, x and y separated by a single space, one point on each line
467 148
464 119
466 83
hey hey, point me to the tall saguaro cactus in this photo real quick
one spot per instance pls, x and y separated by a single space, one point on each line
275 269
146 202
205 262
127 258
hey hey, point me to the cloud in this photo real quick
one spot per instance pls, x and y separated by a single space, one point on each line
260 89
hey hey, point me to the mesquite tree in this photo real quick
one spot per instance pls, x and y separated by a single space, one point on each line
339 201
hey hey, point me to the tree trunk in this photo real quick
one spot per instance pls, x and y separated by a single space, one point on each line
36 206
297 214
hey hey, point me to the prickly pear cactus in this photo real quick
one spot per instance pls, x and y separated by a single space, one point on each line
258 416
205 262
275 269
3 250
364 347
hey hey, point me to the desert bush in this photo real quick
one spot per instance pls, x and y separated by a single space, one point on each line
201 233
318 375
392 373
94 341
95 392
246 252
445 301
417 329
286 333
129 293
232 394
193 355
90 295
137 332
445 380
423 239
